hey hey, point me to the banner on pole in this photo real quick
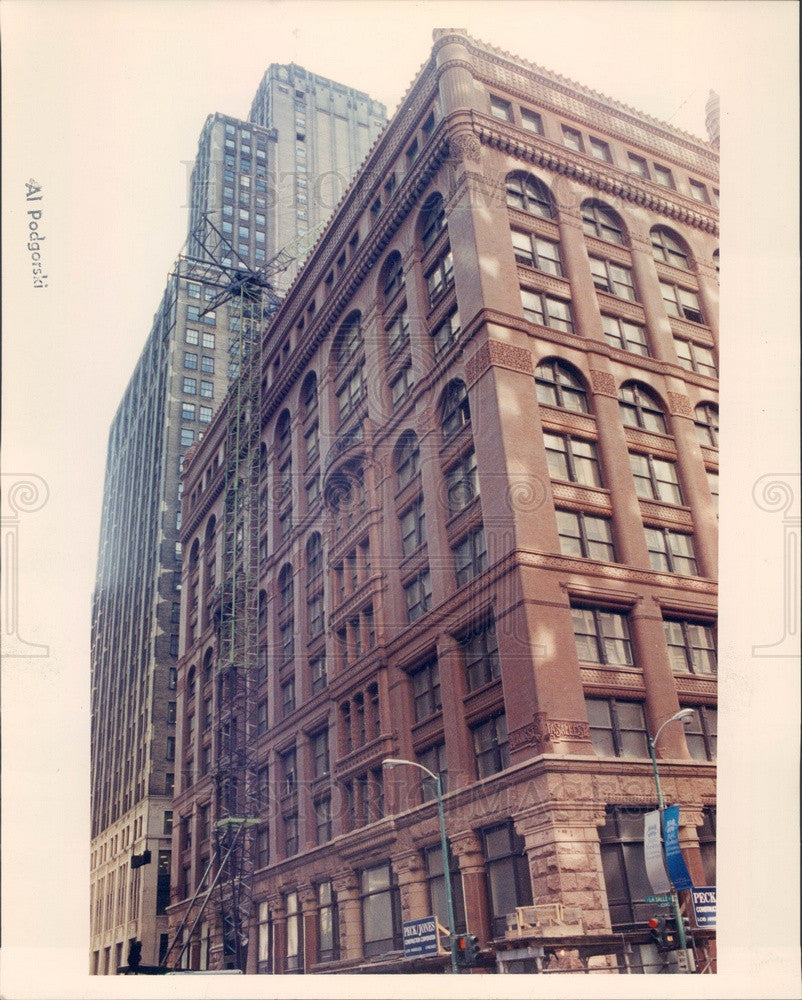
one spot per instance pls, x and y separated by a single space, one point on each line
674 859
653 853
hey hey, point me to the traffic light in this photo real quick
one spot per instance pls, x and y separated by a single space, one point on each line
467 950
663 933
134 954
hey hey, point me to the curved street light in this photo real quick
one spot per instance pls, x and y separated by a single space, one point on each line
684 713
390 762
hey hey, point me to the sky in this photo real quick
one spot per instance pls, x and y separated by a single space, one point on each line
103 103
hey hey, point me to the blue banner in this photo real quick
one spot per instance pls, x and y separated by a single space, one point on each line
675 862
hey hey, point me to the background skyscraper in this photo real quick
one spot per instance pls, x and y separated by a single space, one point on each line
261 183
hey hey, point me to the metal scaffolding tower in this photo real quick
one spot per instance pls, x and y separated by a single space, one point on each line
251 302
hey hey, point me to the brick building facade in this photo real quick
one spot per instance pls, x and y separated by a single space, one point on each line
488 503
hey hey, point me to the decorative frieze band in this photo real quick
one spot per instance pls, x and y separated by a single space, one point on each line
495 352
542 732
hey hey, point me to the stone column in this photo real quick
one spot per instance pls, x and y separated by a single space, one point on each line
647 282
576 266
651 655
278 915
562 847
411 874
460 757
466 848
346 885
630 539
308 901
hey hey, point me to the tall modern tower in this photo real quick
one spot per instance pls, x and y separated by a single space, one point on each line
262 183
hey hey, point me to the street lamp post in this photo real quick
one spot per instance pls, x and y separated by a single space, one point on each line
684 713
389 762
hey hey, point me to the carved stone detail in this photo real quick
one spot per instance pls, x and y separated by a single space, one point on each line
603 383
495 352
465 146
679 404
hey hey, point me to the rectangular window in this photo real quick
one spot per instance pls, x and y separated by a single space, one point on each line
190 385
480 652
531 121
625 336
187 436
433 757
547 311
440 279
426 690
681 302
317 668
187 411
500 108
599 149
637 165
691 646
699 192
190 361
418 594
712 482
470 556
572 139
312 438
462 483
401 386
289 772
381 910
288 697
663 176
701 731
413 527
613 278
655 478
509 884
294 918
205 414
572 459
328 921
585 536
320 753
446 333
602 637
191 336
398 332
490 746
315 616
671 551
695 357
208 341
617 728
624 866
536 252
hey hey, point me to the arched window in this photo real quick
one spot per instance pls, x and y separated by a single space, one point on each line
309 395
668 248
285 587
191 683
314 557
407 458
432 219
193 554
705 417
392 276
349 340
283 431
640 407
601 221
558 384
455 412
530 195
